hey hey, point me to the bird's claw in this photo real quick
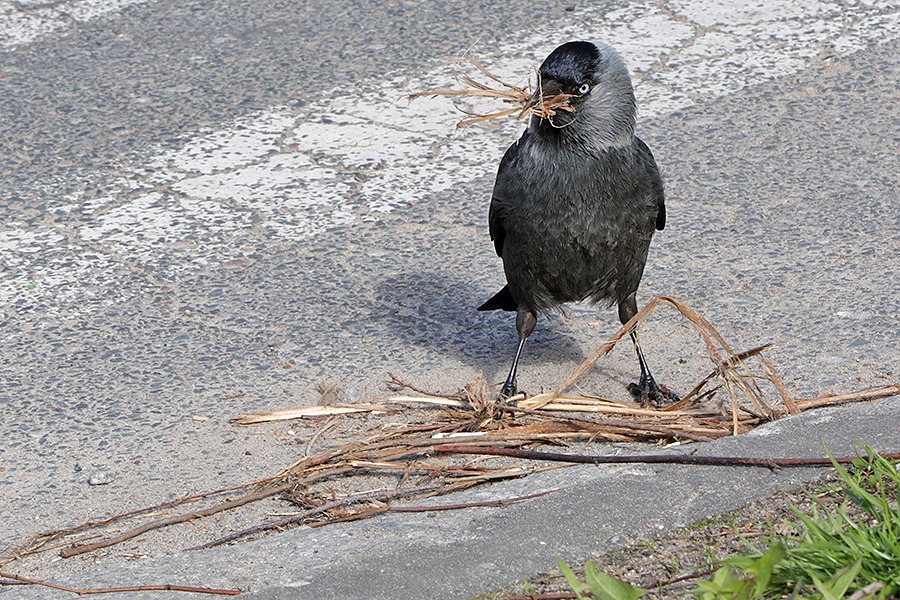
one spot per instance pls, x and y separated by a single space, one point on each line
507 391
647 390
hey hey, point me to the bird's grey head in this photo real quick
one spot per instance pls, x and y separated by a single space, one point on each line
601 102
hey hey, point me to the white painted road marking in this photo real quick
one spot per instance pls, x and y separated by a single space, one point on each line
294 173
26 21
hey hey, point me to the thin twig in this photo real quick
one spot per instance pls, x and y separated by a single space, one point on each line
870 394
398 383
679 459
40 540
331 422
293 519
117 590
158 524
486 503
550 596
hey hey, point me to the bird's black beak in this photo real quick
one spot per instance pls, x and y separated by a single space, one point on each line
547 100
546 90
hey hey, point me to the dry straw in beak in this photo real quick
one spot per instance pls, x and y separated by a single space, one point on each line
526 100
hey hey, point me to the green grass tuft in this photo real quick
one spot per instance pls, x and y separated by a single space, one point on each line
852 549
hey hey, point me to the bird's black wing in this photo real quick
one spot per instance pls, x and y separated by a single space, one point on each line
504 192
496 214
655 182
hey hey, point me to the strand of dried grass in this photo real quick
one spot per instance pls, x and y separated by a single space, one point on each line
661 429
867 394
398 384
520 96
731 371
694 395
789 403
307 411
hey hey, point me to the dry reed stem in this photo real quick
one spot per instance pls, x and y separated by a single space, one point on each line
831 400
527 100
731 371
405 451
308 411
391 448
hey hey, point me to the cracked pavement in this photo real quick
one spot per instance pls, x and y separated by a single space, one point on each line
210 211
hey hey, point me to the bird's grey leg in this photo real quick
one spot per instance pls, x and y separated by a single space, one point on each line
525 322
509 386
646 390
645 370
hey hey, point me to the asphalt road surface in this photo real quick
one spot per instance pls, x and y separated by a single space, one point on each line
211 209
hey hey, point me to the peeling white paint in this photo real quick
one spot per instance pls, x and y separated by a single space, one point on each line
246 141
23 21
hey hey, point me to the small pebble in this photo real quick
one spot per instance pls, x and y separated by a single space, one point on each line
100 477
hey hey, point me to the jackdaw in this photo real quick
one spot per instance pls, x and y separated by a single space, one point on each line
576 200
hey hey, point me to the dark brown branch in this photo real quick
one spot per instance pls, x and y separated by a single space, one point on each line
678 459
183 518
137 588
297 518
381 449
42 539
432 508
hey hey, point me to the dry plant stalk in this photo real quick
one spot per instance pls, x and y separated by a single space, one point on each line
731 370
527 100
405 454
309 411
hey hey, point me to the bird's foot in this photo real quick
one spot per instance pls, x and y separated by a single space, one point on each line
647 390
508 391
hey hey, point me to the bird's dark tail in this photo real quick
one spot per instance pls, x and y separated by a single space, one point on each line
502 300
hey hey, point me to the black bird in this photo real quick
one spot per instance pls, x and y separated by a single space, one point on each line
577 200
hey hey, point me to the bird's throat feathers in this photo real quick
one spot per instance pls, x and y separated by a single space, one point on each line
605 120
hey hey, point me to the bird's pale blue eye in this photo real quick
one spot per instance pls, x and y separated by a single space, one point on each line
584 89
